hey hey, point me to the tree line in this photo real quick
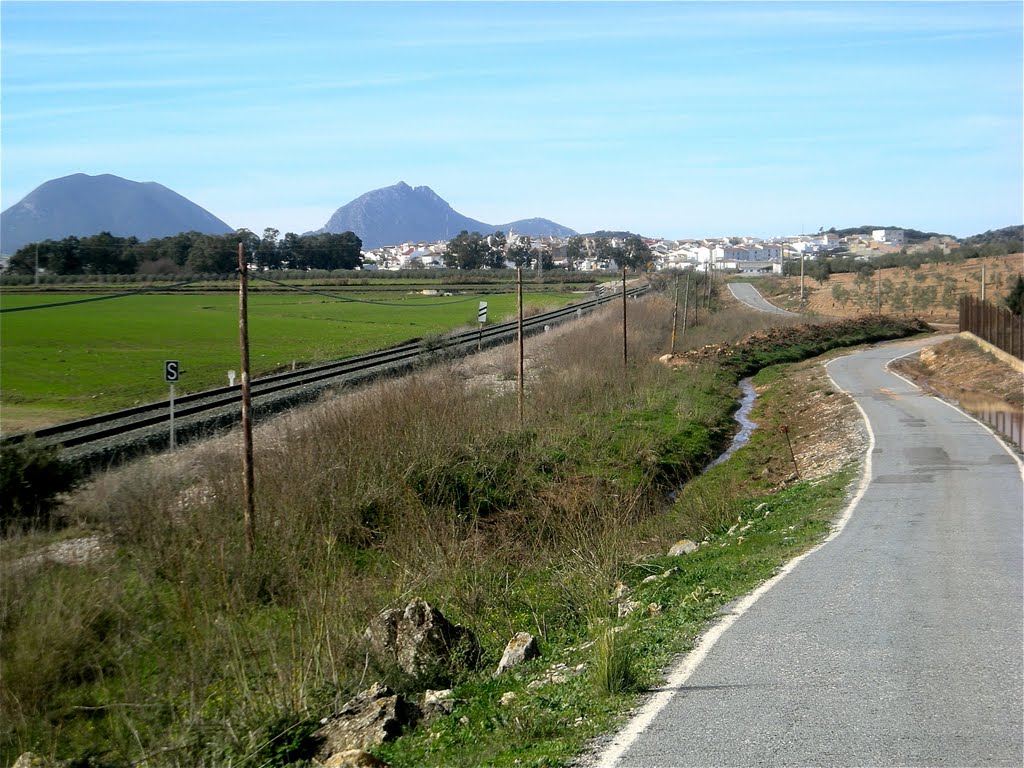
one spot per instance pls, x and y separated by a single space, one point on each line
472 250
187 253
198 253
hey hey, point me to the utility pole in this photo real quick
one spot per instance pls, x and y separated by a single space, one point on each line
801 279
675 316
686 298
625 352
879 290
982 282
522 367
248 476
37 265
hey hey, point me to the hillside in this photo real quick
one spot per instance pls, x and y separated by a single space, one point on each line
83 205
400 213
930 291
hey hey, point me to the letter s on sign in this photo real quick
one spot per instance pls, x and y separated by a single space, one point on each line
170 371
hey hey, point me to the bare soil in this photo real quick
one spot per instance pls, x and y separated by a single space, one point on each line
930 292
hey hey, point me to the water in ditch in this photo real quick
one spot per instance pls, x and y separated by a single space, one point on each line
742 417
1003 417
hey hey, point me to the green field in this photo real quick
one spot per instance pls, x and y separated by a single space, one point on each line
64 362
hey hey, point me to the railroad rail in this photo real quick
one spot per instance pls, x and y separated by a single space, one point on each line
109 438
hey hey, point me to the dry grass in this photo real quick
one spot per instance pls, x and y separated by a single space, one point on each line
424 486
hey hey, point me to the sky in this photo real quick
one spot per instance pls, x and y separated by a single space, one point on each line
670 119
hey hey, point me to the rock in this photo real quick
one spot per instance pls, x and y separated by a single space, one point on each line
422 642
621 590
761 508
31 760
374 716
653 609
520 648
353 758
682 547
659 576
507 698
437 704
627 608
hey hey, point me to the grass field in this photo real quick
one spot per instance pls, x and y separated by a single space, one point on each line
64 362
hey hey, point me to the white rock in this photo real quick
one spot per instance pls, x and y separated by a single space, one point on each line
520 648
682 547
627 608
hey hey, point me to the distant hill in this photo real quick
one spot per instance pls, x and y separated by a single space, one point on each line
83 205
911 235
1013 234
400 213
536 228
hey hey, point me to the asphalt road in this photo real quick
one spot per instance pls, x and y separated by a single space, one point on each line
897 643
749 295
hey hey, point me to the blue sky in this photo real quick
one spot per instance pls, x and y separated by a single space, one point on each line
669 119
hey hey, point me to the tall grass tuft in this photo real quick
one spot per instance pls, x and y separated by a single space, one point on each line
615 663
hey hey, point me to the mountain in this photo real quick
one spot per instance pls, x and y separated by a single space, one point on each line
84 205
536 228
400 213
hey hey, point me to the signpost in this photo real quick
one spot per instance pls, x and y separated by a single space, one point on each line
481 316
171 375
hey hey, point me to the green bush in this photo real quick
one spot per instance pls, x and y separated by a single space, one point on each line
31 479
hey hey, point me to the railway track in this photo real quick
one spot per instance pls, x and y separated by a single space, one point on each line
106 439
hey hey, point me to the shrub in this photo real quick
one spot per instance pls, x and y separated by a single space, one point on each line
31 479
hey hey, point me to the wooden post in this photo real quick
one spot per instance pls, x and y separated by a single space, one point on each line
686 299
982 282
879 290
695 301
801 279
675 316
625 352
249 507
522 368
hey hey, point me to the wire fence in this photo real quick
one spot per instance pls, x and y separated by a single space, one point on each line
996 325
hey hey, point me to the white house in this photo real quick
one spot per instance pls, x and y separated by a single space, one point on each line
890 236
727 252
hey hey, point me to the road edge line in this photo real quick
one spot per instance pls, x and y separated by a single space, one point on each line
995 436
628 734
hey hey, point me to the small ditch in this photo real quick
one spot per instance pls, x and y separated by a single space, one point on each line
742 417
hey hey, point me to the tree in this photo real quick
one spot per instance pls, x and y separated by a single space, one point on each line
1015 299
104 254
467 250
63 257
213 254
267 254
605 250
635 253
574 252
520 252
328 250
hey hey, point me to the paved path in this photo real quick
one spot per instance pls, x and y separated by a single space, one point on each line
897 643
749 295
